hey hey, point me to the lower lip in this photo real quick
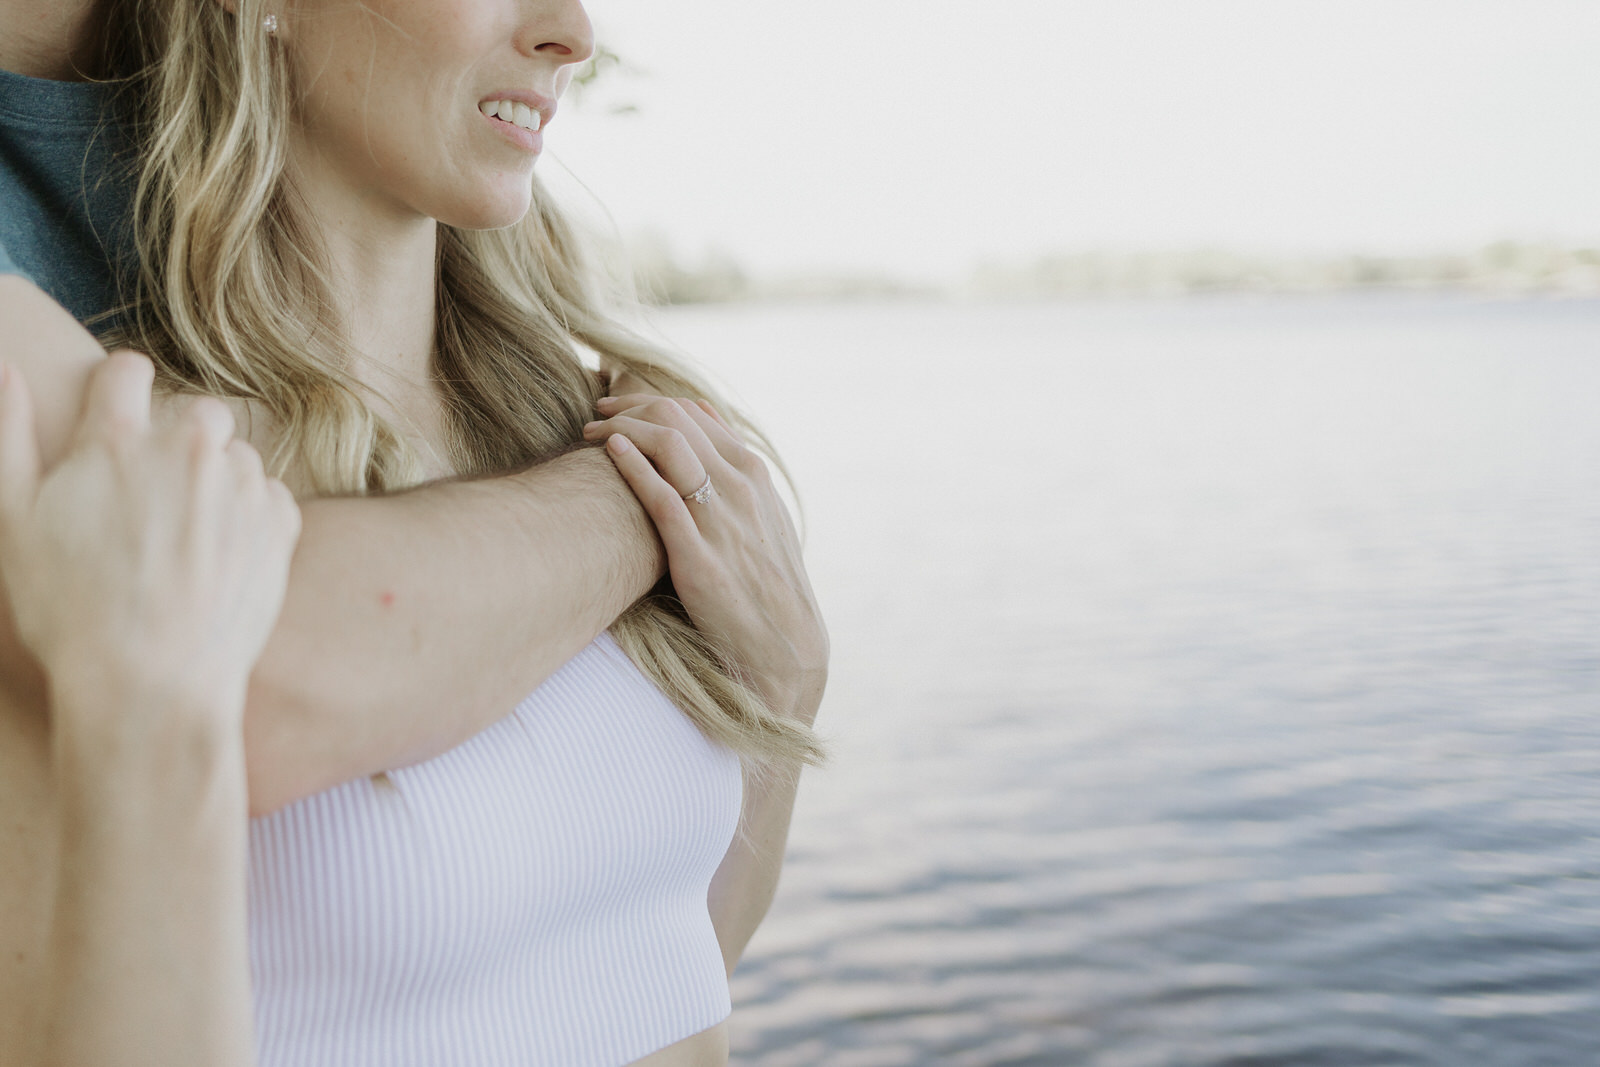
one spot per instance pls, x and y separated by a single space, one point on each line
527 140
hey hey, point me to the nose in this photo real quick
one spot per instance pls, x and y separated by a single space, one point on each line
558 29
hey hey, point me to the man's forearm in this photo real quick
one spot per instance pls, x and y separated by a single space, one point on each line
413 622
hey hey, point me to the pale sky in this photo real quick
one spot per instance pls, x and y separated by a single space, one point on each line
921 136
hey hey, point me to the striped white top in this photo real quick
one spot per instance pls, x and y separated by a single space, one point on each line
535 896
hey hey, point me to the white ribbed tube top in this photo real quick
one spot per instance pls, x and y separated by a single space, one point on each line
535 896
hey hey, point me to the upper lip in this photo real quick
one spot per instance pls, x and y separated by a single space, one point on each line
544 105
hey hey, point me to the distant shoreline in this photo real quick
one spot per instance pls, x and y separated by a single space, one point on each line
1503 269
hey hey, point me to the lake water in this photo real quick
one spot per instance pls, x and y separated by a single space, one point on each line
1216 682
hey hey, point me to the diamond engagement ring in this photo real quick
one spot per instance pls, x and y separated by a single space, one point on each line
701 495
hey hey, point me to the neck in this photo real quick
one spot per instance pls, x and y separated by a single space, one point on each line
55 39
385 285
384 289
381 262
383 278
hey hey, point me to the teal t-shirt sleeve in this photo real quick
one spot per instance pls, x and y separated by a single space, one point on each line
64 190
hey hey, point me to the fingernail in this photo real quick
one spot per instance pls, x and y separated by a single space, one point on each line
588 427
605 402
618 443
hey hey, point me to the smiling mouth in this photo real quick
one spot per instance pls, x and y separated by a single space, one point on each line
510 111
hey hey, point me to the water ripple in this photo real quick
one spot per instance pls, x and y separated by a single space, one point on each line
1241 707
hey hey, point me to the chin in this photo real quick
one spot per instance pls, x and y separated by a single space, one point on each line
493 211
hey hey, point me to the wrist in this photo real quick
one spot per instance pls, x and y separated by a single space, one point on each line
619 540
798 699
134 783
123 720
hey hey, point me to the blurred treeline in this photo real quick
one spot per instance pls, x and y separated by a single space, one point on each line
664 275
1505 268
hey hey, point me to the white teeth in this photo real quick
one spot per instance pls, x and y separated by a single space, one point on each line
513 112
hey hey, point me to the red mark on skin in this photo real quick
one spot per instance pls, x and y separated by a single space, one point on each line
386 599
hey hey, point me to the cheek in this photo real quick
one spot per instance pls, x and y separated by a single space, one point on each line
391 104
352 59
363 111
326 87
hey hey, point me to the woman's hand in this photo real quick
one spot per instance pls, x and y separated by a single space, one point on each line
144 571
732 550
147 561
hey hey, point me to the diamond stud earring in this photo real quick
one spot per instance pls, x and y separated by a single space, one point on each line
270 24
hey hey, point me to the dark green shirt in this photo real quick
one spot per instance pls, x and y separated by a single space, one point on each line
64 190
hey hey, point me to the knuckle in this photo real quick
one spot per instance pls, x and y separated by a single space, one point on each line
289 521
120 440
120 429
127 361
124 373
663 411
284 505
210 419
752 466
280 496
667 442
245 458
664 498
208 407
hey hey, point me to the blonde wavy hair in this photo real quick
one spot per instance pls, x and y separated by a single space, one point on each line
230 298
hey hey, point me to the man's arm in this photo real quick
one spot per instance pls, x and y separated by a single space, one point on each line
412 622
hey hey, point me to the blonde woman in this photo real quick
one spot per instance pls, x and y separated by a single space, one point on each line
339 233
412 620
144 572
